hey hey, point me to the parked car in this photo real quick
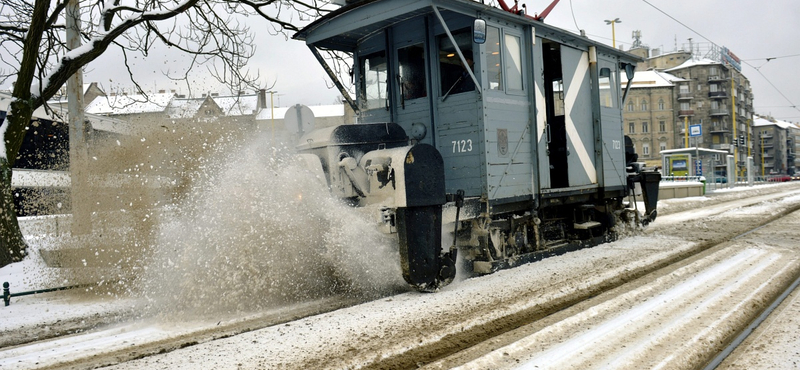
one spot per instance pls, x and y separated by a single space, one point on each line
779 178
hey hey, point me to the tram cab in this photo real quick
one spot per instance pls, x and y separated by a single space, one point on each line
526 118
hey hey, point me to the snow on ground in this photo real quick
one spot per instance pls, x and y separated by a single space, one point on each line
348 332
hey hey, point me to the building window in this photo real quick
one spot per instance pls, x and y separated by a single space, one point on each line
644 105
684 89
645 127
685 106
630 106
713 88
661 104
662 126
646 149
631 128
662 146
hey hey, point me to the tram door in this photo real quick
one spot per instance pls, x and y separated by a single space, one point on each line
556 134
569 129
412 94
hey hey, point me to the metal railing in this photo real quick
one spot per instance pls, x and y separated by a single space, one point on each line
7 295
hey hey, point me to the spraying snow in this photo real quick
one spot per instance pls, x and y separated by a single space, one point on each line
263 231
213 219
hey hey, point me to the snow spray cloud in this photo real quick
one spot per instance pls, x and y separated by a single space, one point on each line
262 231
135 180
209 218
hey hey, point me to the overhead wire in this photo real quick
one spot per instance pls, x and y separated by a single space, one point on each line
772 58
715 44
572 10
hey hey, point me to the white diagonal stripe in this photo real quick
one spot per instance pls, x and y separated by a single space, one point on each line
572 132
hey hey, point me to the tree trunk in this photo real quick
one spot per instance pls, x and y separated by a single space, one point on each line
12 245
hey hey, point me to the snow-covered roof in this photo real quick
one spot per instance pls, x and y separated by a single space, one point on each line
60 113
761 121
652 78
130 104
184 108
239 105
320 111
695 62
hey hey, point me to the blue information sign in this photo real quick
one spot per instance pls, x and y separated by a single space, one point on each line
698 168
695 130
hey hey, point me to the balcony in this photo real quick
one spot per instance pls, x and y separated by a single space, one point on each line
720 129
685 96
716 78
718 112
718 94
686 113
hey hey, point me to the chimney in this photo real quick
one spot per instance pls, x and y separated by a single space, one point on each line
262 99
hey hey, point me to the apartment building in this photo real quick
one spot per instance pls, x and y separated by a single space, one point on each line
775 146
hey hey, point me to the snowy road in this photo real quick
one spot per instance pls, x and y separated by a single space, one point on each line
668 298
676 321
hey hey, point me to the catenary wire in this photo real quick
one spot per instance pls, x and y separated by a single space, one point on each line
715 44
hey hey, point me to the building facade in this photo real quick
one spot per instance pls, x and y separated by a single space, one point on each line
719 99
649 114
775 146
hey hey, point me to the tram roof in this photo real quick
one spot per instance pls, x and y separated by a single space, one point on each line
344 27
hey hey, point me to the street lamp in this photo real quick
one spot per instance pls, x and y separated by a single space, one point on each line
613 33
272 112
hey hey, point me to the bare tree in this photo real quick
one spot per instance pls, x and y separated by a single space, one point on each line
35 56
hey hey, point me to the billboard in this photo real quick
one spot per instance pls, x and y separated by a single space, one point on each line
679 165
731 59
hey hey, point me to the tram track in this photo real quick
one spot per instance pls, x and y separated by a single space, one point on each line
447 339
146 337
526 322
470 358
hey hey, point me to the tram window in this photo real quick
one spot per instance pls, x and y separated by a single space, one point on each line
606 83
513 59
373 81
411 66
454 77
493 68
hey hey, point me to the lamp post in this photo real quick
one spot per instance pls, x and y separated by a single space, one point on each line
613 32
272 112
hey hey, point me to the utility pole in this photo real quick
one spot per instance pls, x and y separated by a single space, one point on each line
733 114
81 214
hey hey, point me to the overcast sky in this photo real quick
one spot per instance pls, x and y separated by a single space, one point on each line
753 30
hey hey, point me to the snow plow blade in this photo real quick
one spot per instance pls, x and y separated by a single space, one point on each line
419 223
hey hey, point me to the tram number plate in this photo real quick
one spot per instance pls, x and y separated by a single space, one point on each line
462 146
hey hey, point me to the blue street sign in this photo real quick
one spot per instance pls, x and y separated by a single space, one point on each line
695 130
698 168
